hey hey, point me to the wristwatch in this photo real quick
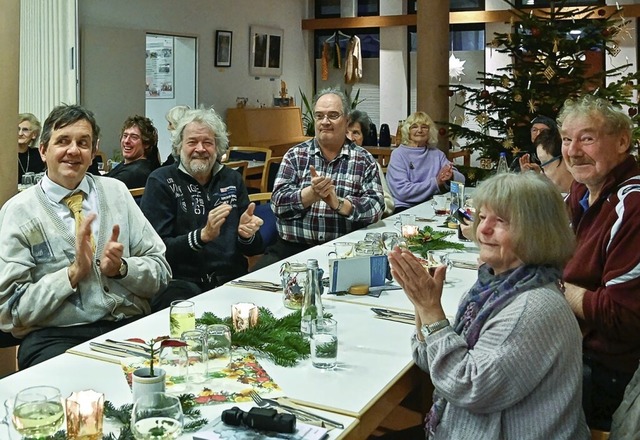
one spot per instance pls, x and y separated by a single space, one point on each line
427 329
122 271
340 204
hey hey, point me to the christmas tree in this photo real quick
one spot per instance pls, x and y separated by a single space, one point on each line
552 53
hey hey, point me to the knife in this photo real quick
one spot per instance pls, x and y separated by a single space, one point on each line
392 314
114 350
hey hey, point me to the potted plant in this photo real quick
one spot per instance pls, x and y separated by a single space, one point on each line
147 380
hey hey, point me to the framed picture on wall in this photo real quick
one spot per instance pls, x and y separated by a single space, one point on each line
223 48
265 56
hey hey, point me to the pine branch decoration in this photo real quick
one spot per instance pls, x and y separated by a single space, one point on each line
278 339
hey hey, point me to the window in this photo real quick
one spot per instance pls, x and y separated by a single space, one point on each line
454 5
331 8
547 3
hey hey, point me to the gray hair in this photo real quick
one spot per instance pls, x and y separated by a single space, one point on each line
209 118
538 217
615 121
332 91
174 115
35 126
419 118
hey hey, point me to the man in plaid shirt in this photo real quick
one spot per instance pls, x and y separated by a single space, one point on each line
326 187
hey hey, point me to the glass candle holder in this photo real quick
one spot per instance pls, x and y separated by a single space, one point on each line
84 415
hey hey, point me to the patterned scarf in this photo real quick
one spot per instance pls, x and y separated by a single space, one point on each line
490 294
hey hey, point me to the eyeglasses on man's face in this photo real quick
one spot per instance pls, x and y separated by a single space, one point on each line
332 116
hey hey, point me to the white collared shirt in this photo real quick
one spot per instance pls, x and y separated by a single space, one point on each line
56 193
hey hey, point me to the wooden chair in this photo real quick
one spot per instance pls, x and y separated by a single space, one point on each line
269 174
465 154
381 154
599 435
137 194
240 166
254 174
269 230
102 157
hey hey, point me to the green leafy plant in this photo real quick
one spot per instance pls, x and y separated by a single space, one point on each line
164 341
428 239
307 116
279 339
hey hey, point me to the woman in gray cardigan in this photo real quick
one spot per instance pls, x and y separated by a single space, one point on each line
510 365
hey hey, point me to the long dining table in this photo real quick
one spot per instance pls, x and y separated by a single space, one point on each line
375 370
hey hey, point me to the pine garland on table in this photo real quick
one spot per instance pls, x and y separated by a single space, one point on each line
429 239
278 339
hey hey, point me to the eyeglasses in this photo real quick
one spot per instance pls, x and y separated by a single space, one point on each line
416 127
24 130
332 116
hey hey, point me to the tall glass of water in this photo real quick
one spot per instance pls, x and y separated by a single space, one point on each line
38 411
324 343
182 317
157 416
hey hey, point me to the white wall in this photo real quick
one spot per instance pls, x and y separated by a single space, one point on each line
199 18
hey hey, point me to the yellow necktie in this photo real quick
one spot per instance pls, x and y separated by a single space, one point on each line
74 202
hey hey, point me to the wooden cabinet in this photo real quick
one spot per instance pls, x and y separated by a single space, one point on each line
277 128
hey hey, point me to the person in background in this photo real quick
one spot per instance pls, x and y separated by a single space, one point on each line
139 146
173 116
357 131
602 280
549 153
78 257
326 187
509 366
539 124
417 168
29 160
201 210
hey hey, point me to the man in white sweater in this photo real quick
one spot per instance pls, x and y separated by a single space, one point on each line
73 272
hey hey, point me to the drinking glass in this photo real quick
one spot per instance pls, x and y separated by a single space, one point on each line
175 361
218 347
389 240
437 258
196 349
157 416
364 248
324 343
439 203
38 411
182 317
342 250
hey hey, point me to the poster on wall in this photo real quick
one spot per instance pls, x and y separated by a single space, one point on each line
159 67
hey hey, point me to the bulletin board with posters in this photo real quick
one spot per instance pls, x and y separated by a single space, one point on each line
159 67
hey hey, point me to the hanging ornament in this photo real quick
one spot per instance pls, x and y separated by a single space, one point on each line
510 133
549 73
627 89
507 144
601 12
505 81
482 118
450 92
456 67
515 151
463 94
535 32
484 94
517 97
633 111
442 131
614 49
555 45
532 106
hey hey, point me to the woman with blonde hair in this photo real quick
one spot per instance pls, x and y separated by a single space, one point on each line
417 168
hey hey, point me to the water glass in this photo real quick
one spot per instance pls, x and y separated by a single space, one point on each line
28 179
218 347
365 248
38 411
182 317
324 343
196 350
438 258
157 416
439 203
343 249
175 362
390 240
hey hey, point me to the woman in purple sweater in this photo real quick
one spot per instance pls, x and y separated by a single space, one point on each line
418 169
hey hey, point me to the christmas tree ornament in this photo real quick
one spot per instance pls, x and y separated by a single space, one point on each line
614 49
517 97
633 111
442 131
484 94
549 73
535 32
507 144
482 118
505 81
532 106
555 45
456 67
450 92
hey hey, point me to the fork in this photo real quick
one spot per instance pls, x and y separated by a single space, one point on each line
262 402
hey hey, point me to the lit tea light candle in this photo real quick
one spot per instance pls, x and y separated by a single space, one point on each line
244 316
84 415
409 231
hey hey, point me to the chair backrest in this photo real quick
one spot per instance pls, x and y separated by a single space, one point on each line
240 166
137 194
381 154
269 174
465 154
248 153
102 157
269 230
